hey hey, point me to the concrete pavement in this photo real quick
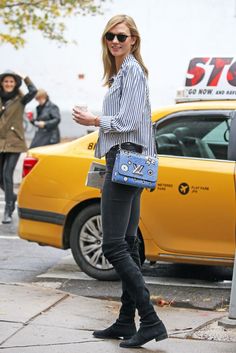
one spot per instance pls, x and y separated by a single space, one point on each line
35 319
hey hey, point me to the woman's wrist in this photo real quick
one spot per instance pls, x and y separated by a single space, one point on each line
96 121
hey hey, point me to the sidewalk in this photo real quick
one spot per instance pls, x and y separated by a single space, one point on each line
34 319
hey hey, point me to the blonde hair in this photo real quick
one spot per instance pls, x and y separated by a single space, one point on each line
41 93
108 58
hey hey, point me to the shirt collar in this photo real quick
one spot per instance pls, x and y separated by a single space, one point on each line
126 60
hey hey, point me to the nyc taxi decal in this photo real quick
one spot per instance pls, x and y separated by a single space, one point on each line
185 188
164 186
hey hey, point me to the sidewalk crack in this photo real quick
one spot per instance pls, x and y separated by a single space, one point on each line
24 324
202 326
52 344
12 322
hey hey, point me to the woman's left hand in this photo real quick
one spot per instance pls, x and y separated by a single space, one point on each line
83 117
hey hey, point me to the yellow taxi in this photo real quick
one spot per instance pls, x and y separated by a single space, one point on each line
190 217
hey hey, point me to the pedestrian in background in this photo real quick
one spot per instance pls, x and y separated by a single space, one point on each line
12 139
125 120
47 121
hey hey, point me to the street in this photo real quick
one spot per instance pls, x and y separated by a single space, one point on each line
182 285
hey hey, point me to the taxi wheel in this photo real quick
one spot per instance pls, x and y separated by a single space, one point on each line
86 245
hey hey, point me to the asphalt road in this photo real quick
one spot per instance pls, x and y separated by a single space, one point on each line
203 287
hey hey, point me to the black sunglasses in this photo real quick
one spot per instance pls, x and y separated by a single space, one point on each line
121 37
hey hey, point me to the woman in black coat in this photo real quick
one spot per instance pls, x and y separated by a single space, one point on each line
47 121
12 139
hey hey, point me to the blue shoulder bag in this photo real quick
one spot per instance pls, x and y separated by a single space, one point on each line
135 169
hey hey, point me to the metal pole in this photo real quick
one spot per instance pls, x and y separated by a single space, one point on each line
230 321
232 305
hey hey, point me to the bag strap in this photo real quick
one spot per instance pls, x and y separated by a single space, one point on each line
153 134
154 141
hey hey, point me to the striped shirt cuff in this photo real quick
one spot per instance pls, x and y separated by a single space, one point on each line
105 123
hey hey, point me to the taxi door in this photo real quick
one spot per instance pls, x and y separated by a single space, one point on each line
192 211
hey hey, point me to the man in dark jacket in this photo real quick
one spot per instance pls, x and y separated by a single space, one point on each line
47 121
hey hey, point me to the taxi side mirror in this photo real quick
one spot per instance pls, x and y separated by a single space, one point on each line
232 140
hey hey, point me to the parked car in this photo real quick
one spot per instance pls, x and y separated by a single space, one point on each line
190 217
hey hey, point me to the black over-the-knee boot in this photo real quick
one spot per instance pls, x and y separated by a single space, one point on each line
125 324
128 307
150 325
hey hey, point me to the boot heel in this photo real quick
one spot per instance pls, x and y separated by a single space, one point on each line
161 337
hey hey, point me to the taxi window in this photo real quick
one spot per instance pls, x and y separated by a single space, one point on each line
200 136
219 134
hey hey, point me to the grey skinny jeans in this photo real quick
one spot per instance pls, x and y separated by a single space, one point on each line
120 206
120 218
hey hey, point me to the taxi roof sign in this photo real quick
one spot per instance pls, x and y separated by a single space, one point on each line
209 78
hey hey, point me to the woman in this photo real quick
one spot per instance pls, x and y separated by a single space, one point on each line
47 121
125 120
12 140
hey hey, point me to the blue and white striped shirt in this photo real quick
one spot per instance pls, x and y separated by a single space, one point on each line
126 112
